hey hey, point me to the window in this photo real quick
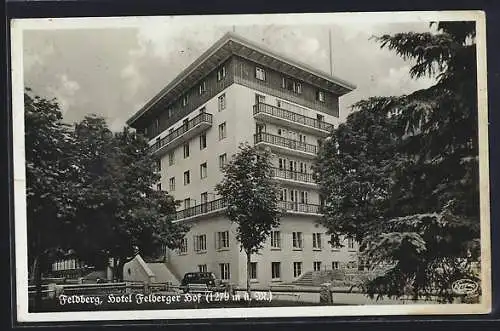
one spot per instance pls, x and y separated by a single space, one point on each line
303 199
275 270
222 131
335 247
204 197
259 98
203 110
221 101
222 240
320 96
202 267
184 100
171 184
203 170
275 239
200 243
335 265
297 240
297 87
187 203
225 273
320 118
158 166
202 88
260 128
184 246
260 73
169 112
222 160
317 240
171 158
291 85
317 265
253 270
350 243
158 187
221 73
203 141
186 150
297 269
281 163
283 193
187 178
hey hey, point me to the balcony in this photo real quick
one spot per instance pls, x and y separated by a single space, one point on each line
294 177
280 116
217 206
209 208
291 207
286 146
182 134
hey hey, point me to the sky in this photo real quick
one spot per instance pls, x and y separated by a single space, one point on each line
113 70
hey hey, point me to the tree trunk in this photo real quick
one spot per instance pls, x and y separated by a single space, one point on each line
119 270
249 275
37 278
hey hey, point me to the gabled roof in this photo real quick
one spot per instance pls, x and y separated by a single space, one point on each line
230 44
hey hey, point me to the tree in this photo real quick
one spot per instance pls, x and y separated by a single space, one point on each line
49 184
252 199
119 210
401 175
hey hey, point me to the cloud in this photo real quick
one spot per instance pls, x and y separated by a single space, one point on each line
33 58
64 92
398 79
113 72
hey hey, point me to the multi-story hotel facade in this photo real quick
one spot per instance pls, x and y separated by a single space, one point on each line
240 92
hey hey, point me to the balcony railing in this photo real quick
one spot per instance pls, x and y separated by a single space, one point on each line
219 204
291 116
293 175
201 209
299 207
201 118
285 142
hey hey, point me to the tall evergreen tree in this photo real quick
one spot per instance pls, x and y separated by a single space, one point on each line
252 199
401 175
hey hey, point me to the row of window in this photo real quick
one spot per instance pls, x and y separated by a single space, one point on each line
298 241
222 241
186 148
289 84
200 242
203 172
225 270
260 74
67 264
202 87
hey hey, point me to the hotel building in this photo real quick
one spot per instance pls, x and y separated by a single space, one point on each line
236 92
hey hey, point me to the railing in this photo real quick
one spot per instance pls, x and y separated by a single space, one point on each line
291 116
220 204
299 207
201 209
203 117
285 142
293 175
